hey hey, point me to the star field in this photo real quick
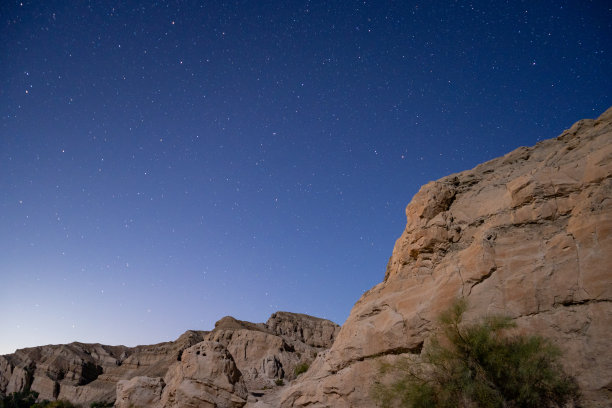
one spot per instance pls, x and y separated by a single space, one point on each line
164 164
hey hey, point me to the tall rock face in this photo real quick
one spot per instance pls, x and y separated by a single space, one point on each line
199 369
528 235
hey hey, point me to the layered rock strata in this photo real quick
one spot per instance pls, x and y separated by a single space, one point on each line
528 235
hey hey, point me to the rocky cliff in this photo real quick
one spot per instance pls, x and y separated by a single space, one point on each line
84 373
216 368
528 235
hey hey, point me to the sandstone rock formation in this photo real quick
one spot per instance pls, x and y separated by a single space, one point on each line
198 368
85 373
273 350
235 357
206 376
306 329
139 391
527 235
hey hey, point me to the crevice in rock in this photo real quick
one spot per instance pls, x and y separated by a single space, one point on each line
90 372
571 302
395 351
462 282
531 314
390 352
56 389
29 379
374 311
482 278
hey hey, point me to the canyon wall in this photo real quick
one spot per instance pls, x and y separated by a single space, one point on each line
527 235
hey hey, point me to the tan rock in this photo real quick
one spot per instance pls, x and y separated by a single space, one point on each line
6 372
528 235
271 351
207 376
86 373
139 392
309 330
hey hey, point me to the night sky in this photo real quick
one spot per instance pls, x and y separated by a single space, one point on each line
164 164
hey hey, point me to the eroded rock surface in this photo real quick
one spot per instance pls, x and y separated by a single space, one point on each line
207 376
249 355
527 235
139 392
271 351
309 330
85 373
261 354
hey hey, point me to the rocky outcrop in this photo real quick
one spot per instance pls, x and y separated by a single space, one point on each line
85 373
248 355
139 392
261 354
528 235
309 330
206 376
271 351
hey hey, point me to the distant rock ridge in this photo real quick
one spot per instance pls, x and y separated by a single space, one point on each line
527 235
236 353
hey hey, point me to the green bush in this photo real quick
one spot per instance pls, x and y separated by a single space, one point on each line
301 368
279 382
56 404
24 399
27 399
479 365
101 404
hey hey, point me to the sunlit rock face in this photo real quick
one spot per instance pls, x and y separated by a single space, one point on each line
250 356
527 235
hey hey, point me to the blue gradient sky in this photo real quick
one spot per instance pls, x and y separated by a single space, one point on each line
164 164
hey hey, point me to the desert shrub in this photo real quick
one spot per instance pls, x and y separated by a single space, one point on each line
54 404
279 382
27 399
59 404
23 399
101 404
479 365
301 368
